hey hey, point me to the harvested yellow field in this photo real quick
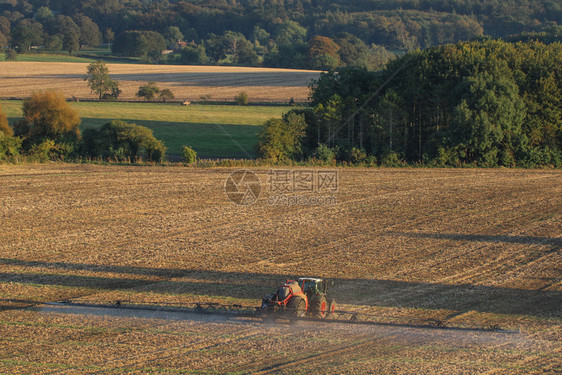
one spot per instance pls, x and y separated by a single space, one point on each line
472 246
20 79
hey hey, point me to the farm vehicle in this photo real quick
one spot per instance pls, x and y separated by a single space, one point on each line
304 297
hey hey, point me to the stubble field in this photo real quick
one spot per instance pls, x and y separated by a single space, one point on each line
472 246
20 79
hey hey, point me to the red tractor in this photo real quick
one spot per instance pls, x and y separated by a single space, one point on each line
305 296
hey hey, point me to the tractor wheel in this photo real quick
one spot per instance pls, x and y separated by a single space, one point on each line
331 306
298 306
319 306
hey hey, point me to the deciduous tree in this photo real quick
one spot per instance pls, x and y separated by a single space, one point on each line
99 80
281 139
70 33
323 53
138 43
48 115
90 35
26 34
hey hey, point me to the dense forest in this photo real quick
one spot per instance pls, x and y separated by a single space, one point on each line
481 103
319 34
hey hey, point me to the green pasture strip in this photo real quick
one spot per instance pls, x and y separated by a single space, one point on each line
214 131
47 57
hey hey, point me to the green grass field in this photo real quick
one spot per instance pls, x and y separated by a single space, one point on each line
46 57
82 56
214 131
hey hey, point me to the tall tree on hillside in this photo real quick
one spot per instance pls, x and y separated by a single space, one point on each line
43 14
173 35
26 34
290 32
70 32
323 53
139 43
89 31
99 80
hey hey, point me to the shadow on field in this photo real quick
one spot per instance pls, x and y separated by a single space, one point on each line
373 292
525 240
210 79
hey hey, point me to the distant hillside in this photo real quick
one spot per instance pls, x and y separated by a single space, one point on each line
316 34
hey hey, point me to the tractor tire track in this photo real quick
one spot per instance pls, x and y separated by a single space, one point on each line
364 341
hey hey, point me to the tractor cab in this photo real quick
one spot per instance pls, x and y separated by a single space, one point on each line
311 286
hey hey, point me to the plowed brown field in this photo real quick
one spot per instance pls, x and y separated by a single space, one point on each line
472 246
20 79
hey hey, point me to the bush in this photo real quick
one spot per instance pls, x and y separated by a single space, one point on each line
43 151
324 154
371 161
357 156
242 98
108 98
189 155
121 141
91 143
166 94
9 147
155 150
63 150
117 154
447 157
114 93
4 126
22 128
148 91
391 159
11 55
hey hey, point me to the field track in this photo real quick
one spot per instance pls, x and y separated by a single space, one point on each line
473 246
20 79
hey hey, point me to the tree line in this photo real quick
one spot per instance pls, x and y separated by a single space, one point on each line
482 103
318 34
